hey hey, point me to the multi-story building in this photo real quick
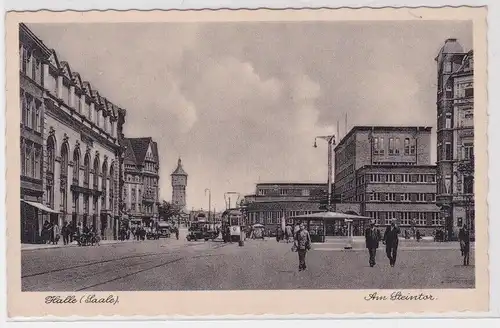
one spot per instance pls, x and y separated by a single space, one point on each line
179 184
455 136
274 201
33 211
81 150
141 186
387 170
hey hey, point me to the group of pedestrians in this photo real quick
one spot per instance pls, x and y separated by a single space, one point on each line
390 240
373 236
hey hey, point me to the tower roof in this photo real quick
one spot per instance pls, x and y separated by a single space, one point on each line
179 170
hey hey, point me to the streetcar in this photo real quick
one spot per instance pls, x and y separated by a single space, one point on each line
232 225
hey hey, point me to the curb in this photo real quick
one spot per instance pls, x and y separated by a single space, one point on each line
76 245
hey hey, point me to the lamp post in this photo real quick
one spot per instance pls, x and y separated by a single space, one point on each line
209 201
331 142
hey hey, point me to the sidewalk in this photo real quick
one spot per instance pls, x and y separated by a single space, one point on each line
30 247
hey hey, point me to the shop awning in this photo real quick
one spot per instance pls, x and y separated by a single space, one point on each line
40 206
331 216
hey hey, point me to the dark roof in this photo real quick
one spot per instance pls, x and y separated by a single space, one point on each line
137 149
179 170
379 128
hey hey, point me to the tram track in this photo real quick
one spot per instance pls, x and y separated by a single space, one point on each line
88 264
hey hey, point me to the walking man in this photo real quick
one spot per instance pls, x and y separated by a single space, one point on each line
391 241
464 238
302 244
65 232
372 237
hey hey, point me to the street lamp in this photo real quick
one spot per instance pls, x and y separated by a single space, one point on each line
331 142
209 201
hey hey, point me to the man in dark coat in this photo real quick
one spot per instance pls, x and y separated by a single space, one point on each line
391 241
302 243
372 236
464 238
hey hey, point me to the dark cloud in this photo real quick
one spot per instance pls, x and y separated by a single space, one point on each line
242 102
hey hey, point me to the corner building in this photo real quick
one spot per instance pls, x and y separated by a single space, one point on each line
81 149
32 54
455 136
141 186
387 170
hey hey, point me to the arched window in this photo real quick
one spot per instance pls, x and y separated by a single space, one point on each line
64 160
76 166
111 187
104 182
86 177
51 148
96 173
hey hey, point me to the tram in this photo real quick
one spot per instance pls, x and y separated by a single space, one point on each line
232 225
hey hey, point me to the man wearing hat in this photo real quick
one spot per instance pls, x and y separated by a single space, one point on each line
372 237
391 241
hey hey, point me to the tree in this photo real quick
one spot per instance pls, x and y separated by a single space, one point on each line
167 211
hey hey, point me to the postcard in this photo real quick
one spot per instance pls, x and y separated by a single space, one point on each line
247 162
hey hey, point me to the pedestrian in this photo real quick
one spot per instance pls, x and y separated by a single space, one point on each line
65 232
55 234
372 236
302 244
418 235
464 238
177 233
391 241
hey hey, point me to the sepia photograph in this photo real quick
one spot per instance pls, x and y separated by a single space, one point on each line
248 156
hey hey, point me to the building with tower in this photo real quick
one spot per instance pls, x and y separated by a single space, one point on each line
455 136
141 181
179 183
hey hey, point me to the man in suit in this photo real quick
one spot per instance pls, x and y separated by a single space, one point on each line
372 237
464 238
391 241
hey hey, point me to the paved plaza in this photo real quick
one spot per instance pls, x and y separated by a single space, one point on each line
169 264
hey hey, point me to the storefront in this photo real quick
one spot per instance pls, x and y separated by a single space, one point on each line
33 215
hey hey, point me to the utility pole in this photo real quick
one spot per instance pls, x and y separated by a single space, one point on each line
209 202
331 142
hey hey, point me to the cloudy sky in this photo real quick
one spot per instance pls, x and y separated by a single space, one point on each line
242 102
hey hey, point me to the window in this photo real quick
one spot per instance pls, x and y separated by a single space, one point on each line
37 164
468 150
28 167
29 106
24 59
305 192
447 184
50 155
391 146
421 219
448 154
413 147
405 218
469 184
420 198
382 149
469 92
375 178
36 122
407 146
76 166
405 197
283 192
78 103
86 176
405 177
96 173
66 94
398 146
390 197
390 178
448 121
447 67
376 145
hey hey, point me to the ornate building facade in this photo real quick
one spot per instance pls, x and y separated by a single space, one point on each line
81 151
141 183
455 136
179 184
32 54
